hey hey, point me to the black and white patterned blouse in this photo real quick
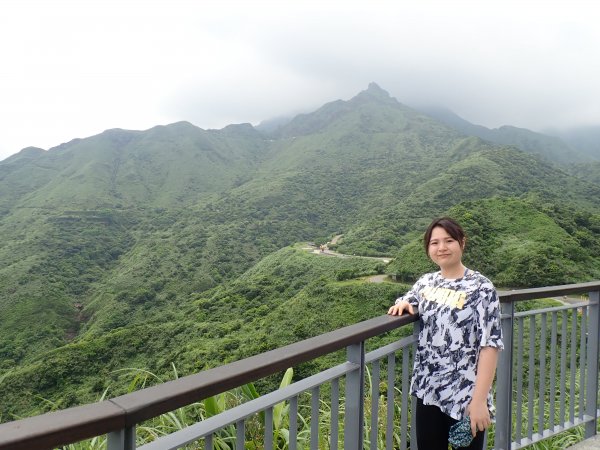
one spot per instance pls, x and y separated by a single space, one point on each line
457 317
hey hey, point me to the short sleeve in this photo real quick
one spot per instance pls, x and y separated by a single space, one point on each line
489 317
412 296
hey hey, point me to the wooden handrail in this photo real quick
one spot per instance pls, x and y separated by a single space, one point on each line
547 291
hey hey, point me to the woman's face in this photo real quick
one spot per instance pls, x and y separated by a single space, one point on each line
443 249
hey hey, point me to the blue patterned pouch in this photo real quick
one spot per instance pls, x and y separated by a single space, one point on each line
460 434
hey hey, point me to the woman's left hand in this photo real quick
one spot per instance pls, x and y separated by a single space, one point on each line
480 416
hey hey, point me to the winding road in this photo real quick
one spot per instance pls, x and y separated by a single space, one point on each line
326 252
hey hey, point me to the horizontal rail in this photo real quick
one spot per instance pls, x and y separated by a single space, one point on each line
537 437
389 349
547 291
535 312
61 427
245 410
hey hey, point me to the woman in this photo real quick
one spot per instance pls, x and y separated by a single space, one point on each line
458 343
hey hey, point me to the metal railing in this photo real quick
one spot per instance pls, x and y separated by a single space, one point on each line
541 390
536 382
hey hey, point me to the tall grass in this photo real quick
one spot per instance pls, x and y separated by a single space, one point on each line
255 426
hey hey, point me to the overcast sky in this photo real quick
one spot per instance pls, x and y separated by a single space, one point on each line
72 69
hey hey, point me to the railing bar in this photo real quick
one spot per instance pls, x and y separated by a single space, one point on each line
413 420
573 365
547 291
123 439
405 396
383 352
537 312
527 443
504 383
335 413
593 355
250 408
314 419
354 398
269 429
582 361
240 434
374 405
391 379
293 444
519 399
542 379
553 340
305 384
413 400
563 366
531 392
208 442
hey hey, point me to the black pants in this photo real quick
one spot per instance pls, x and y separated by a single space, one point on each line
433 426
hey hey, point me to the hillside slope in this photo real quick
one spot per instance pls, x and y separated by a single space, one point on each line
164 246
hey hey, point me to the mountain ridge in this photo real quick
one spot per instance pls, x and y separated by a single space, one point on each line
550 146
579 143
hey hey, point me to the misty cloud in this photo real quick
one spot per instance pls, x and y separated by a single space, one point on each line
526 64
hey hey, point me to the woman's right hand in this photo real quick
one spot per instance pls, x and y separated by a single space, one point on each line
400 307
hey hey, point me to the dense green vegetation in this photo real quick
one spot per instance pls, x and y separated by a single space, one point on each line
588 171
180 245
519 243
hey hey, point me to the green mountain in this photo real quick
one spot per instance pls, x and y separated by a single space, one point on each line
554 148
164 166
179 245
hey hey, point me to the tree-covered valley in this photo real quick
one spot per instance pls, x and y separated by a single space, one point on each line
188 247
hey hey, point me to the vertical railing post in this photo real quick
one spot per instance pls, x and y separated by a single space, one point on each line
413 401
123 439
504 381
354 409
591 394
